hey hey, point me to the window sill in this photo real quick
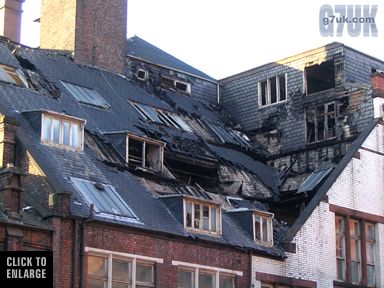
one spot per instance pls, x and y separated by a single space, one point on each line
214 234
338 284
272 105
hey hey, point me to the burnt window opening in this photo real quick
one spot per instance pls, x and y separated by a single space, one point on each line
321 122
272 90
12 75
183 86
142 75
144 152
320 77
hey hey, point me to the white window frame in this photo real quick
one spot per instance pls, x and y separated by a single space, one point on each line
210 204
63 118
188 86
145 78
269 218
145 141
215 271
268 91
134 258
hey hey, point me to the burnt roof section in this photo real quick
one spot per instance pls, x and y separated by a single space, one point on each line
144 50
330 180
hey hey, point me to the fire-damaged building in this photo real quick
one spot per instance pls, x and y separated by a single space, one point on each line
138 170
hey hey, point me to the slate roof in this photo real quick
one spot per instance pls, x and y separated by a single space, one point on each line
142 49
104 164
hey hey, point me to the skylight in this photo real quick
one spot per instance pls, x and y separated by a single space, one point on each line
161 116
86 95
12 75
230 136
107 202
314 179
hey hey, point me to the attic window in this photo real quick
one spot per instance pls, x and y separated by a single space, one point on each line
161 116
144 152
230 136
320 77
142 74
263 228
62 131
272 90
202 216
321 122
182 86
107 202
12 75
86 95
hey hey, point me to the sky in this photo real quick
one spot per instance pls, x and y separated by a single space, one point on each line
225 37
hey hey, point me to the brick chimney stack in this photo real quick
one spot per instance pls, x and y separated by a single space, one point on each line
96 30
377 81
10 24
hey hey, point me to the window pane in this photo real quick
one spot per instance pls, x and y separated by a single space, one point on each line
371 277
355 272
93 283
121 271
273 89
66 133
265 229
263 93
75 135
355 250
282 88
370 231
185 279
56 131
205 217
340 246
97 266
354 228
340 225
226 282
206 281
144 273
320 128
213 219
370 252
197 216
311 125
340 263
258 228
121 285
46 133
188 215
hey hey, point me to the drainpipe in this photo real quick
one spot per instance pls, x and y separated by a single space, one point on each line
250 268
82 244
75 251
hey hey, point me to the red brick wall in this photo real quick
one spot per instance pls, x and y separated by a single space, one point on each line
154 245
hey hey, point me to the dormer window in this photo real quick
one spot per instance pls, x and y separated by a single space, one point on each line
12 75
202 216
144 152
62 131
182 86
142 75
263 228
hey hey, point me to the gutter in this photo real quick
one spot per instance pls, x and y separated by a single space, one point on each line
82 244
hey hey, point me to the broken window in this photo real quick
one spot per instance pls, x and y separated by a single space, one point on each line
272 90
182 86
230 136
161 116
202 216
320 77
321 122
86 95
142 74
12 75
104 197
62 130
144 152
117 271
263 228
